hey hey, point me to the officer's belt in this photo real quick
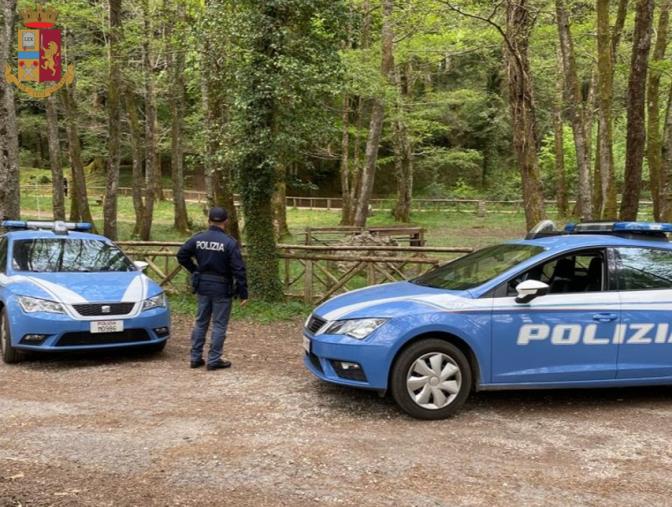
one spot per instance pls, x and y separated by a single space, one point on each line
214 278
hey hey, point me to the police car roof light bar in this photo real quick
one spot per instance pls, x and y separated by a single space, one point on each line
57 226
644 228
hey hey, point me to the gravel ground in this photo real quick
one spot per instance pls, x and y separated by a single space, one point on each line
132 429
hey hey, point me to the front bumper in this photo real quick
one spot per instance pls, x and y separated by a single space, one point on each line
328 350
62 332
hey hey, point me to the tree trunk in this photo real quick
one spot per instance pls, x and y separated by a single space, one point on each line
574 108
403 149
113 121
152 170
257 166
345 163
218 171
605 83
558 128
666 165
636 135
280 202
377 117
80 209
654 140
10 205
138 159
177 110
58 197
519 22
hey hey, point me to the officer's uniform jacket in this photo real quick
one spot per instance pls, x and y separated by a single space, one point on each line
219 269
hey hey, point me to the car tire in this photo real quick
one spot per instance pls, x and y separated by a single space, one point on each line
9 354
431 379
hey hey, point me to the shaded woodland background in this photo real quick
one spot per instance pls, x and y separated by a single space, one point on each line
566 100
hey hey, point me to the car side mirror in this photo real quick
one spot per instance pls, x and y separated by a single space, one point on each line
141 265
530 289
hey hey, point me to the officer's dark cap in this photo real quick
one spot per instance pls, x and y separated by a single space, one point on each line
217 215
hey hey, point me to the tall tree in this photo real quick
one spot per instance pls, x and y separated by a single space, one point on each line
113 119
636 133
654 139
519 23
574 108
176 62
559 139
79 209
137 177
403 148
377 116
152 163
55 162
9 143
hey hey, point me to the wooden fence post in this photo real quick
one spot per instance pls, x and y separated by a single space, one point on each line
308 283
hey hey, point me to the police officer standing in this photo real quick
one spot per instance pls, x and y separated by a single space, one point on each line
218 275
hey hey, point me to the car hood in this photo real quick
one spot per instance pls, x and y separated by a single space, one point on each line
394 300
77 288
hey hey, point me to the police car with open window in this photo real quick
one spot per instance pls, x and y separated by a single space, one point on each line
587 307
62 288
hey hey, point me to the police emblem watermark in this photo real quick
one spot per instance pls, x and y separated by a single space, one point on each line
39 55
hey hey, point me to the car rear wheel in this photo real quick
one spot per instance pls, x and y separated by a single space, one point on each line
9 354
431 379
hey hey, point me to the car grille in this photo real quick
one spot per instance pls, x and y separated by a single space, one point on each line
315 323
96 310
84 338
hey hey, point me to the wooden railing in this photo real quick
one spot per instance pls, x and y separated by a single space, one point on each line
312 273
479 207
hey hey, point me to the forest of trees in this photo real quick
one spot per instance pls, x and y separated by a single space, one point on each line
566 100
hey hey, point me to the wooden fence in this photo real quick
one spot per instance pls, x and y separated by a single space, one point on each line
312 273
479 207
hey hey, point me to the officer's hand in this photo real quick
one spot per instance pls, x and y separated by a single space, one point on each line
243 302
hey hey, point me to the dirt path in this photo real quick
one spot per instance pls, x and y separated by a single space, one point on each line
127 429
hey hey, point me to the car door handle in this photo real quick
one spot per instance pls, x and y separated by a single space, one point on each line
605 317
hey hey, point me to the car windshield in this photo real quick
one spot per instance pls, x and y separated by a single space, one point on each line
68 255
477 268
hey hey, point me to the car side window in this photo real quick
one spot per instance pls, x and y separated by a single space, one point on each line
644 269
3 255
571 273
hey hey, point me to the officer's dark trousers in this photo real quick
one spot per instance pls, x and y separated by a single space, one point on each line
217 308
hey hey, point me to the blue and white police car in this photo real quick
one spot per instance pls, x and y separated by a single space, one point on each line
62 288
587 307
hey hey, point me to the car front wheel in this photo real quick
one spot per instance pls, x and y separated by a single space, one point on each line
9 354
431 379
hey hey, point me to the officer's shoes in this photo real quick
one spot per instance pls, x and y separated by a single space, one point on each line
197 364
220 365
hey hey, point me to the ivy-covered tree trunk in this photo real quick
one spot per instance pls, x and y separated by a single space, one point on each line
257 166
377 117
280 201
636 133
666 165
519 22
55 160
113 120
654 139
176 50
9 142
559 137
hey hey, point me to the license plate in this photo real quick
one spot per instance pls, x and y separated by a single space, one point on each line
306 344
107 326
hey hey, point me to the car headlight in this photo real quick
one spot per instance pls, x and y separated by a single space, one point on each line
32 305
158 301
356 328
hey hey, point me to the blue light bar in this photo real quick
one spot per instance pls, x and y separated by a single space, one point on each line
607 227
38 224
